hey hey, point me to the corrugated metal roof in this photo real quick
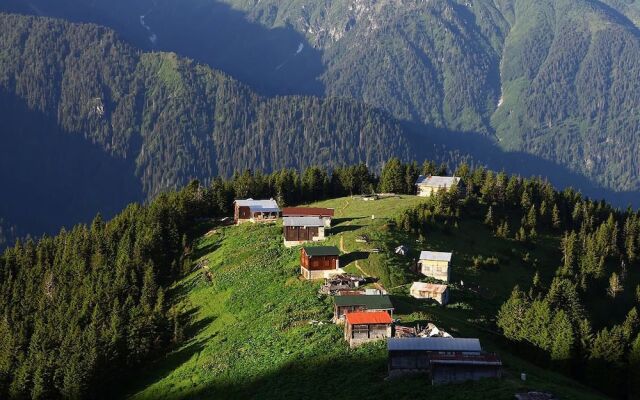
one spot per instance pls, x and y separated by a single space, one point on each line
319 251
259 205
434 344
435 256
302 221
429 287
437 181
372 317
307 211
371 302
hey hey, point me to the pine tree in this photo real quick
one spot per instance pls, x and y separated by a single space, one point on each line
631 325
555 217
488 219
563 337
525 200
634 369
615 285
531 220
511 317
392 179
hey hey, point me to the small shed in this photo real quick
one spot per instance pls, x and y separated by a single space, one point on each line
325 214
250 210
402 250
422 290
318 262
344 305
435 264
430 185
299 230
363 327
445 360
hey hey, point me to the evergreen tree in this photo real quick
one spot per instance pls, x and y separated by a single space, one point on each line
615 285
562 336
488 219
511 317
634 369
555 217
392 179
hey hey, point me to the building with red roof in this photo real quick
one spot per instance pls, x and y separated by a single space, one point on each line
366 326
325 214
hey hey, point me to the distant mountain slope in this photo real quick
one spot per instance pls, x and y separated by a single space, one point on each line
91 123
551 78
547 78
571 92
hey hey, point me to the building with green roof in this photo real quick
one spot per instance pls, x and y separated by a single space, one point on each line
346 304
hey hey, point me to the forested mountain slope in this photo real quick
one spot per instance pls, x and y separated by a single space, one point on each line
90 124
553 79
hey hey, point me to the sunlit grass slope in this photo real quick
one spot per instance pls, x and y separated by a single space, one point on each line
252 329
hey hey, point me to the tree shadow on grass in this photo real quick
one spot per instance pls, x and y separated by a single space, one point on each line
348 258
345 228
200 252
338 221
349 376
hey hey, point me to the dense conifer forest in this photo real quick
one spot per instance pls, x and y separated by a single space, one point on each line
81 308
80 106
549 78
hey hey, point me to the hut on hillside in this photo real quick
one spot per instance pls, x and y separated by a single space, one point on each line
344 305
317 262
435 264
422 290
430 185
299 230
251 210
445 360
362 327
325 214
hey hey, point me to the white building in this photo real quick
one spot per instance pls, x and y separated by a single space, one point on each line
429 185
435 264
422 290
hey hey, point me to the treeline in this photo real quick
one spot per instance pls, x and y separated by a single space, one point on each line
599 269
6 233
80 309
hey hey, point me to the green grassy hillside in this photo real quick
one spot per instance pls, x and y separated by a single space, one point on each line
255 330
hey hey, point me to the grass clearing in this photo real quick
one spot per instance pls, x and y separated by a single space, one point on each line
250 334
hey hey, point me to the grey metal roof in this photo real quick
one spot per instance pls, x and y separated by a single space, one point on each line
320 251
434 344
437 181
259 205
435 256
370 302
303 221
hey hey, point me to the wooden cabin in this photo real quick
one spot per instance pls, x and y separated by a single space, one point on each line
444 360
422 290
251 210
317 262
299 230
435 264
344 305
430 185
325 214
363 327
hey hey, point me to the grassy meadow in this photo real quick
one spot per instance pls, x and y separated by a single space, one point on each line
254 329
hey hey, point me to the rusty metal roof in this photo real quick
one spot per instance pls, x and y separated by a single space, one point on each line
307 211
